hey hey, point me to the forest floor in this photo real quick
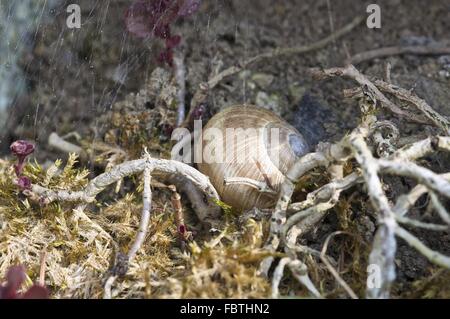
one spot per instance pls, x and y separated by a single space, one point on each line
85 81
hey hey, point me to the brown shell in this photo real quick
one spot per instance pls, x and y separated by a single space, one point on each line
258 151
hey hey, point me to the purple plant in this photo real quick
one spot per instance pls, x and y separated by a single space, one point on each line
199 112
15 277
21 149
147 18
24 183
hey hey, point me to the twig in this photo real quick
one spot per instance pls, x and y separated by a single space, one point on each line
145 216
57 142
351 72
419 149
423 175
396 50
432 255
43 267
325 192
440 209
120 266
397 162
278 219
299 271
387 72
319 201
330 20
183 233
419 224
285 51
294 220
384 246
405 95
330 267
262 187
108 287
278 275
99 183
324 155
180 75
201 94
148 166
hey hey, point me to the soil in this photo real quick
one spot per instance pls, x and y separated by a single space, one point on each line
77 76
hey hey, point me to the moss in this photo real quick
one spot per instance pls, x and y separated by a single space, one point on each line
79 249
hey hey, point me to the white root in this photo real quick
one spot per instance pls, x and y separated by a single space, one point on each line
99 183
145 216
260 186
300 272
384 246
440 209
432 255
399 162
278 275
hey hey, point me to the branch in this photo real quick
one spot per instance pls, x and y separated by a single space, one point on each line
330 267
299 271
99 183
405 95
384 246
440 209
145 216
325 193
395 50
400 162
351 72
423 175
433 256
262 187
304 164
422 148
57 142
278 275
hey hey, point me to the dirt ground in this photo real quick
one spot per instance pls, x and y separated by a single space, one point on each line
78 77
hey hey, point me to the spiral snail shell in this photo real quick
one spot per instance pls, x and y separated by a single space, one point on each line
258 149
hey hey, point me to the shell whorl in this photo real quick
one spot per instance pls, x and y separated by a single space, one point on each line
257 145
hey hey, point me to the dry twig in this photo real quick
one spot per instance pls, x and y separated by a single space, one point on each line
395 50
201 94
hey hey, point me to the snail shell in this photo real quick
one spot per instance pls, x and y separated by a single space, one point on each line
264 156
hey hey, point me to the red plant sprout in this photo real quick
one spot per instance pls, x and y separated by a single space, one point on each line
146 18
15 277
182 229
199 112
24 183
21 149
